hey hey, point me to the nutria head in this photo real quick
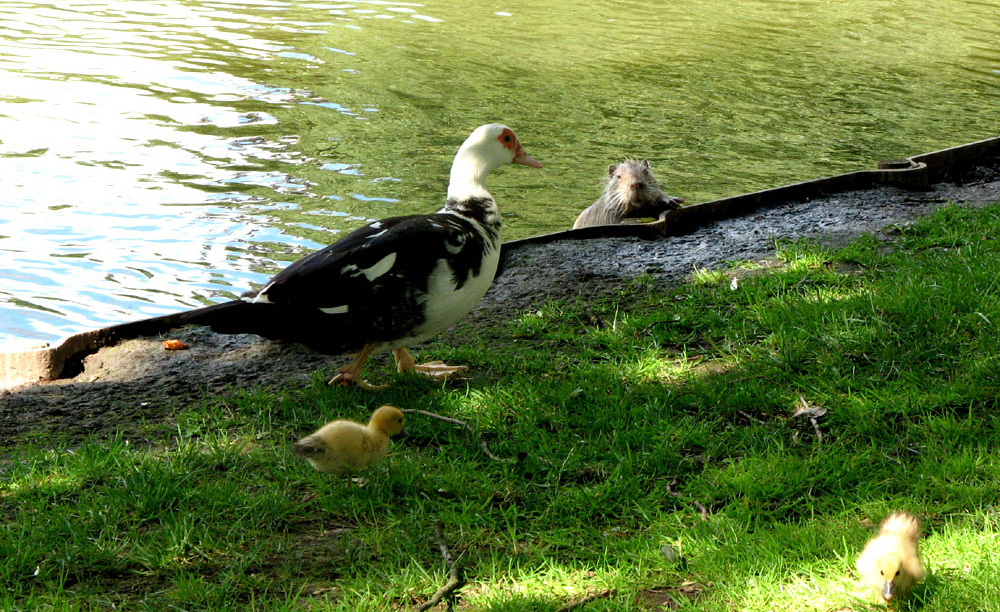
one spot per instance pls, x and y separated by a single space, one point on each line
633 189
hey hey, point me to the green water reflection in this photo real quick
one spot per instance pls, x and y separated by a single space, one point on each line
280 124
721 97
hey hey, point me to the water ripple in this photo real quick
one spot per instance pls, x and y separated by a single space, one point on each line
114 113
159 155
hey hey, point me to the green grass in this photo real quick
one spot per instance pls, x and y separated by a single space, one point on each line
629 414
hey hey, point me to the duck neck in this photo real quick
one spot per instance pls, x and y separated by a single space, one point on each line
482 211
467 194
468 178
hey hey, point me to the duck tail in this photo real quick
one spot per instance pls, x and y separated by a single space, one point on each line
227 317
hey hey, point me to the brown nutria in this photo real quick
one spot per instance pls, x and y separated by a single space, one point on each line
632 193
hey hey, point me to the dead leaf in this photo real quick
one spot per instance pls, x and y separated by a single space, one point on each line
175 345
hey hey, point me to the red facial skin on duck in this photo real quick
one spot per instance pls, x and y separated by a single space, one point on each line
509 141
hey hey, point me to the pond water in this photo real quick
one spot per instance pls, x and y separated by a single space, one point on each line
157 155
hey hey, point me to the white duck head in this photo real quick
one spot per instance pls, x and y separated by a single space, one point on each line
486 149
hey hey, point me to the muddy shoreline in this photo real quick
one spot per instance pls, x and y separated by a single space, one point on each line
137 381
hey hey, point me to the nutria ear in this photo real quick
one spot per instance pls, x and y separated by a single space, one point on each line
611 169
645 164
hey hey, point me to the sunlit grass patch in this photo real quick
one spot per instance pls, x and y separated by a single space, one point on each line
653 458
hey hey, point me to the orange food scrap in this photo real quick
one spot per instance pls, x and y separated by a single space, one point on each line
174 345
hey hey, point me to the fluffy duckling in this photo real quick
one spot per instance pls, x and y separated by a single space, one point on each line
890 563
342 446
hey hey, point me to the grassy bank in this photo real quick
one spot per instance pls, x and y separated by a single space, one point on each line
661 464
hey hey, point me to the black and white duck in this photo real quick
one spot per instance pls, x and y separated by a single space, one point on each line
391 284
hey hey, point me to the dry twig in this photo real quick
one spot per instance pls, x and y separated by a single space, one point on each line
750 417
576 603
819 432
811 412
454 578
482 442
702 510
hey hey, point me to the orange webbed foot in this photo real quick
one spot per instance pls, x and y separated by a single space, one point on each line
436 370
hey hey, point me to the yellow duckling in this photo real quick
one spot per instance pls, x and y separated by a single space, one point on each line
342 446
890 563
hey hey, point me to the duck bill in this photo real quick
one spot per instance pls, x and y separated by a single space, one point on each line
526 160
888 590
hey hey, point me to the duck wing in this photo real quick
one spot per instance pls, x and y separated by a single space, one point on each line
391 259
380 284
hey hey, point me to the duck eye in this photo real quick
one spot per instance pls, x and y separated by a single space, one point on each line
506 137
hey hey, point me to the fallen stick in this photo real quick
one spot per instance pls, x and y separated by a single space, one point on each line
482 442
819 432
454 578
576 603
702 510
750 417
812 412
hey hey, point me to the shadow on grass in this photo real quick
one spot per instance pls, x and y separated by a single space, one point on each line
632 417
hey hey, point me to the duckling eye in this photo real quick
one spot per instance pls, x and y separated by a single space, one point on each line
897 572
882 572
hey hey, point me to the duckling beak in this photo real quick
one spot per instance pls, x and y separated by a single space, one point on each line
526 160
304 448
887 590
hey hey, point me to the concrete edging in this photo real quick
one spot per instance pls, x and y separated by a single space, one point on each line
917 173
45 362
